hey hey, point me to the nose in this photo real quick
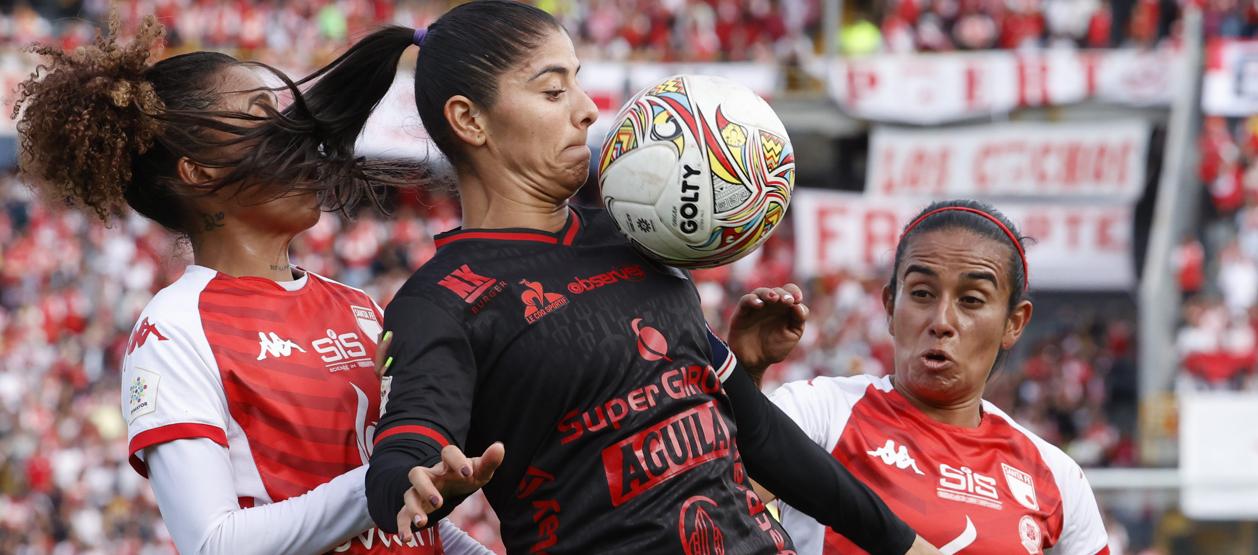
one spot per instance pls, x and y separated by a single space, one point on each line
943 321
587 111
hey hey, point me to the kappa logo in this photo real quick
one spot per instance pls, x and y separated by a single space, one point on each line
895 456
538 303
1022 486
142 334
270 344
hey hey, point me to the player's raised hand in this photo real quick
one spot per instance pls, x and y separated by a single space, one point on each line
455 475
766 326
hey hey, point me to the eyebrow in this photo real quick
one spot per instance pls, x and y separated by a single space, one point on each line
917 268
554 68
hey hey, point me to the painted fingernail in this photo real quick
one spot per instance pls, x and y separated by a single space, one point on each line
434 500
388 362
388 335
467 471
788 298
419 520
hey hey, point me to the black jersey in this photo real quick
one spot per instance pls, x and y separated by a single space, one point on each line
593 366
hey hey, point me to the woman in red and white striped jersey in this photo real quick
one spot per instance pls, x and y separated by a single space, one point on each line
249 385
955 467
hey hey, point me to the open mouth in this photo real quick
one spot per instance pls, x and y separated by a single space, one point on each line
935 359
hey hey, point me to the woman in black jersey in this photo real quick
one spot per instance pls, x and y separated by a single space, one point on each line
537 325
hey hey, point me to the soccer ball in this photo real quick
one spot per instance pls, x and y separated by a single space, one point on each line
697 171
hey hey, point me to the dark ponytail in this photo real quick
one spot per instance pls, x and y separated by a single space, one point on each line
463 53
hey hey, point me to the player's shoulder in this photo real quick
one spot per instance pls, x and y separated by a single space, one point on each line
354 294
1061 465
848 387
176 306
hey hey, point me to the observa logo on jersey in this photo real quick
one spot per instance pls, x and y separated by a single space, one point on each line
895 456
651 343
632 272
537 302
1021 486
665 450
142 334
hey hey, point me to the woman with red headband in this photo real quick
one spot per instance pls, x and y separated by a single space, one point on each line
953 466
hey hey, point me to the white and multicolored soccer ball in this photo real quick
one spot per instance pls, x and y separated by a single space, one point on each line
697 171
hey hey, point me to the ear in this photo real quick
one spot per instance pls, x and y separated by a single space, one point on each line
466 120
194 174
1019 317
888 303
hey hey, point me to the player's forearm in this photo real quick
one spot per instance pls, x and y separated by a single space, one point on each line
781 457
388 479
193 484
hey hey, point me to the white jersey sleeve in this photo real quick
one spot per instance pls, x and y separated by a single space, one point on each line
192 480
821 406
171 387
454 541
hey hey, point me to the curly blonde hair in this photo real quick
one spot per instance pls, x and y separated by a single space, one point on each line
85 114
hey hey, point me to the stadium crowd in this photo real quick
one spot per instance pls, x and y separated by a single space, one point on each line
72 289
1218 269
648 30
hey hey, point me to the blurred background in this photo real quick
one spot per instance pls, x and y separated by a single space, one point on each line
1120 134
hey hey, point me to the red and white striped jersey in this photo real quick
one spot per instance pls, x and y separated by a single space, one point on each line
997 488
283 377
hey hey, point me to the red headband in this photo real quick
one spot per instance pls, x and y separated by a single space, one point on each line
1026 272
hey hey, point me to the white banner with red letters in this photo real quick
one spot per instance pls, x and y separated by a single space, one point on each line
1076 246
945 87
1230 84
1020 159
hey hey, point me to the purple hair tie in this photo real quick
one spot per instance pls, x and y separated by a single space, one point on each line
418 39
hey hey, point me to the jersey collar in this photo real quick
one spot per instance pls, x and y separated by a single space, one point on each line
564 236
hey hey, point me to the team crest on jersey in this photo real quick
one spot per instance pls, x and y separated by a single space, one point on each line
1030 534
539 303
367 322
652 345
1022 486
141 393
699 533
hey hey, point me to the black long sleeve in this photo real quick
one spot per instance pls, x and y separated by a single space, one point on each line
782 458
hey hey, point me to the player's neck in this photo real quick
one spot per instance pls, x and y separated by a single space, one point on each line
239 251
510 203
964 413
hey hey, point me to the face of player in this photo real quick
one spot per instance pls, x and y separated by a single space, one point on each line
538 125
950 316
259 208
